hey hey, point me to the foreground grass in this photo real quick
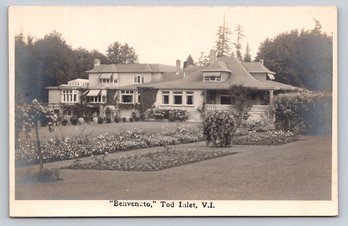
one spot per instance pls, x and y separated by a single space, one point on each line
152 161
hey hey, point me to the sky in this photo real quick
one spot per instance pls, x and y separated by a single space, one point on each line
165 34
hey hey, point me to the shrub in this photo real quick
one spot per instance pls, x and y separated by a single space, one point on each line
262 125
136 119
108 120
124 119
117 119
100 120
74 120
131 119
305 112
178 115
170 114
219 128
134 115
64 122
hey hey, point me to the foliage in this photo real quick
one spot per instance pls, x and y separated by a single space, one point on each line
266 138
237 44
48 61
64 122
117 119
68 148
240 96
73 120
189 61
306 112
247 56
262 125
108 120
170 114
152 161
118 53
302 59
100 120
124 119
28 116
147 99
223 43
219 128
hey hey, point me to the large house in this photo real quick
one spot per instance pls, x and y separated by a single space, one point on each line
108 87
208 86
195 88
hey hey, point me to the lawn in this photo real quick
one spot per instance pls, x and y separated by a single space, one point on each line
94 130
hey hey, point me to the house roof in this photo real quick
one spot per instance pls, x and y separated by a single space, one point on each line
238 76
104 68
216 66
256 67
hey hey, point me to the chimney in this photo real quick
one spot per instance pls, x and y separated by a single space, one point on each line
212 55
178 66
261 61
96 62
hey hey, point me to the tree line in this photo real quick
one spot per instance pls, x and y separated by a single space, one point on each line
50 61
300 58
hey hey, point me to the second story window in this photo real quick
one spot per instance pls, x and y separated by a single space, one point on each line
212 77
139 79
105 78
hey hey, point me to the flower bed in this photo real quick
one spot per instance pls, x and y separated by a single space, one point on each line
68 148
266 138
151 161
71 148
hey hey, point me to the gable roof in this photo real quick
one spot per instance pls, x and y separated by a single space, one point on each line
256 67
238 76
104 68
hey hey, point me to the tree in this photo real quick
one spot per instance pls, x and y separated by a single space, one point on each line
237 44
247 56
189 61
223 43
302 59
49 61
121 54
240 96
28 116
83 61
203 60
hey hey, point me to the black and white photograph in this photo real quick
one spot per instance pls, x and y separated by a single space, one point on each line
173 111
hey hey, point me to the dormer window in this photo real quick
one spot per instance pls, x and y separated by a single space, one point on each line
212 77
138 79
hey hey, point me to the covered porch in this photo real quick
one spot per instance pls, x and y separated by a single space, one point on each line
221 100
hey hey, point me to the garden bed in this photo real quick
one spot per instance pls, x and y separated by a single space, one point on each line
152 161
76 147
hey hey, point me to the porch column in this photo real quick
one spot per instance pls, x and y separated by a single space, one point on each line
271 95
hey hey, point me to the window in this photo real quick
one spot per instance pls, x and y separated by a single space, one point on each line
105 80
189 98
177 98
127 96
165 97
138 79
212 77
225 99
69 96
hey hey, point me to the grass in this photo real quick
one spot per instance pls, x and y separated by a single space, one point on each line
152 161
